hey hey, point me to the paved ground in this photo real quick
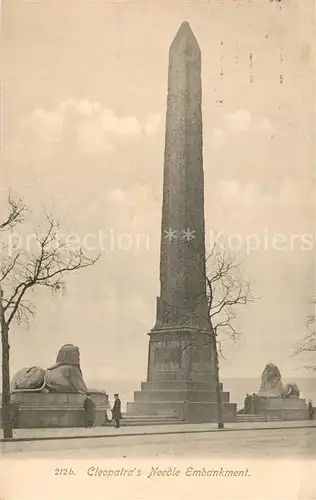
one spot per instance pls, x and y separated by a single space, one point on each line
277 464
273 443
149 429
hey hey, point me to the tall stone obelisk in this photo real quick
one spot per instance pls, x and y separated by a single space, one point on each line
182 312
183 300
180 361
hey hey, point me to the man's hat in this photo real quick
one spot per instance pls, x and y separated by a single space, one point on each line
115 395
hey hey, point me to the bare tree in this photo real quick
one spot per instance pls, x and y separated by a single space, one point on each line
24 269
226 291
308 346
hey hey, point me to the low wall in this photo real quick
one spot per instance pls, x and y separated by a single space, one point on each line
45 410
292 408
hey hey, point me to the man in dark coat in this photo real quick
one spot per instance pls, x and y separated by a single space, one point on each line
116 411
247 404
254 403
89 411
310 410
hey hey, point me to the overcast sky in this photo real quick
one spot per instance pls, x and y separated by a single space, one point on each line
84 102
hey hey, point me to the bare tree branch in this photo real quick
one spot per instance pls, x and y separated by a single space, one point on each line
17 211
308 345
226 289
7 268
44 265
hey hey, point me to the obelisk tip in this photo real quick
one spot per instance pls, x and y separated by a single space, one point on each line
185 30
185 24
185 37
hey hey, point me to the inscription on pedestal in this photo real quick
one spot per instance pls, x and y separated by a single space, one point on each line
200 358
166 356
184 358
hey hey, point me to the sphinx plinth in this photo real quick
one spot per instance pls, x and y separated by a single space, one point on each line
54 397
180 376
276 400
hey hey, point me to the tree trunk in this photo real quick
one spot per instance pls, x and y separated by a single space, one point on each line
6 419
220 423
218 391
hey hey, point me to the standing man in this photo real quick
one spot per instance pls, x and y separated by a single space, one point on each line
88 405
254 399
310 410
246 404
116 411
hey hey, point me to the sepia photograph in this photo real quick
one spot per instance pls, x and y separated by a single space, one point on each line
157 273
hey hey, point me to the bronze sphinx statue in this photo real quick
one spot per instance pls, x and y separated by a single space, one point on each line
272 386
64 376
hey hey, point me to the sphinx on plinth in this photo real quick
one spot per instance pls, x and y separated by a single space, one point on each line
272 386
64 376
54 397
275 399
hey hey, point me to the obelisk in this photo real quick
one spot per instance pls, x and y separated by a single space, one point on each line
182 311
182 300
180 378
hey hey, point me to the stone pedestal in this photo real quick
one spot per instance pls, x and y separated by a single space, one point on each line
180 381
189 401
46 410
291 408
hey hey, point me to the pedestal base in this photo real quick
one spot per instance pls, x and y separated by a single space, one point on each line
181 379
191 402
292 408
47 410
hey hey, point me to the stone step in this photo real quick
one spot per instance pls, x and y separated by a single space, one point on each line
257 418
138 420
180 385
194 412
155 417
137 423
178 396
251 415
